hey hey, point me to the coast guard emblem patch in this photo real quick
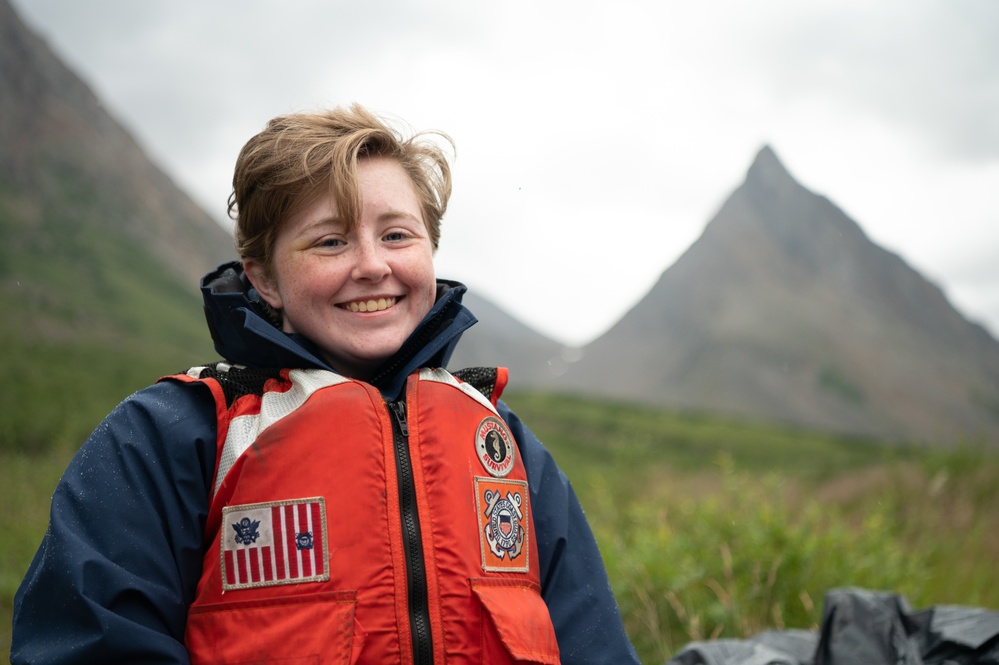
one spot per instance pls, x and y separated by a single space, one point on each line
503 524
495 446
267 544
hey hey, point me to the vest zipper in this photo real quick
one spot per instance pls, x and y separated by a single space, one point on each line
419 610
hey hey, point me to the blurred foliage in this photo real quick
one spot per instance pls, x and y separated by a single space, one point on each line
713 528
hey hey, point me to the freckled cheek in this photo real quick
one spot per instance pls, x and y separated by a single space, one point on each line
317 284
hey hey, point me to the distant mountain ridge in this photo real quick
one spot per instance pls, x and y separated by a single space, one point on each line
55 134
532 358
100 254
80 202
784 310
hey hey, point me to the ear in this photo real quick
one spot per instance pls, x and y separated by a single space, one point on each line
262 281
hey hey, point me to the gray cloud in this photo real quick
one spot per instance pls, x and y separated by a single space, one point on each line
926 66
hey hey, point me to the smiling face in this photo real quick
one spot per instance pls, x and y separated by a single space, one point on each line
358 293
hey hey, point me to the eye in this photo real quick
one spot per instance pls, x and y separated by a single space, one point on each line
329 242
395 235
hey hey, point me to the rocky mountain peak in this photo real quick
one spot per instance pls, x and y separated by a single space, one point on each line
785 310
57 141
767 172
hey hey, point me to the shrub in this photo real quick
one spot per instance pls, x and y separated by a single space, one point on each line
740 561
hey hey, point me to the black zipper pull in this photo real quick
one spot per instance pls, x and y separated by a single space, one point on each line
399 411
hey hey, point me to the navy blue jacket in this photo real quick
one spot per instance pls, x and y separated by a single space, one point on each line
119 563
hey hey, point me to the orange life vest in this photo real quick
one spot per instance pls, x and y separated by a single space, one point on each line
346 530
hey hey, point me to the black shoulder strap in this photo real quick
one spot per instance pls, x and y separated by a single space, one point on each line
238 380
482 379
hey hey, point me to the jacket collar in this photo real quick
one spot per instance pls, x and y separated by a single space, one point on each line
244 335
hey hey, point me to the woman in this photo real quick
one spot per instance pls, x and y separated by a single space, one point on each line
326 494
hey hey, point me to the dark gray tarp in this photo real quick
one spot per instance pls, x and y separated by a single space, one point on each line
861 627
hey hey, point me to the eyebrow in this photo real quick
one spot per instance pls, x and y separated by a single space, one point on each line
325 221
394 214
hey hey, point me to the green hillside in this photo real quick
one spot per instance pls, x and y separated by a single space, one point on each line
99 254
89 316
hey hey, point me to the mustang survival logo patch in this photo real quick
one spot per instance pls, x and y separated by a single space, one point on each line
503 524
495 446
280 542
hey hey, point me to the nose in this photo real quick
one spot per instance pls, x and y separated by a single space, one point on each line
371 262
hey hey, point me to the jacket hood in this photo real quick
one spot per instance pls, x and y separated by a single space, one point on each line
243 333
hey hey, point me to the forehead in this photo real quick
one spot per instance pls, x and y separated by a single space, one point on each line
382 187
385 179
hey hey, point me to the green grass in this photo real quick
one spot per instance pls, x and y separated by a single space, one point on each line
709 527
718 528
598 438
26 484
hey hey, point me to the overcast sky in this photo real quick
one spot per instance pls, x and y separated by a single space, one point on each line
594 139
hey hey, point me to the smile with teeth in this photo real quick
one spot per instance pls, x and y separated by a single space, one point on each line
372 305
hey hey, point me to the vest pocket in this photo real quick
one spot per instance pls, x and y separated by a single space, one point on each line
516 621
310 629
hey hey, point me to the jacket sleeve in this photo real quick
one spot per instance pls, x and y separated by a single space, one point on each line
574 582
120 561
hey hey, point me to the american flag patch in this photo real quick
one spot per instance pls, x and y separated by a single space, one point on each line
267 544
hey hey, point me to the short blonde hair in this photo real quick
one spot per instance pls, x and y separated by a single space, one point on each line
298 156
